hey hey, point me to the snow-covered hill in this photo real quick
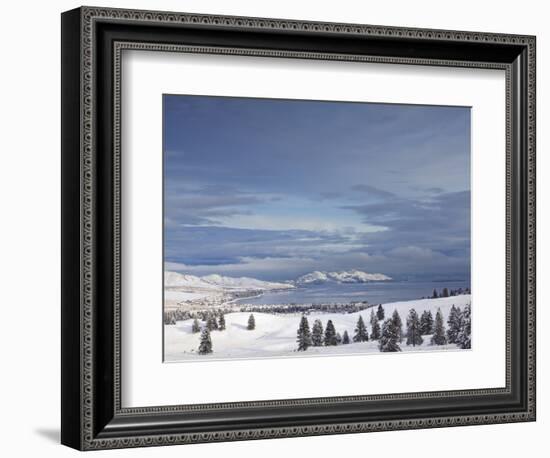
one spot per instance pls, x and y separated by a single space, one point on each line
219 282
345 276
275 335
175 279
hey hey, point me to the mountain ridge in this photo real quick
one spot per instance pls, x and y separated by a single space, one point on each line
221 282
343 276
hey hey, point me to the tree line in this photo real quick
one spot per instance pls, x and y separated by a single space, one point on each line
282 309
171 316
390 334
446 292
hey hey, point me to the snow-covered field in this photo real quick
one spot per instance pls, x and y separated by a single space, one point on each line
275 335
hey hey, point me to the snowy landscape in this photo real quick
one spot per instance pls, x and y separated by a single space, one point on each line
209 318
300 228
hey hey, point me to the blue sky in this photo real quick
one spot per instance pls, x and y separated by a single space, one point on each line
273 189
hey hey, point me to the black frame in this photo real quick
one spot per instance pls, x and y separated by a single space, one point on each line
92 42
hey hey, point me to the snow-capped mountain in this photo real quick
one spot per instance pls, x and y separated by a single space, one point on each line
175 279
216 282
345 276
315 277
219 282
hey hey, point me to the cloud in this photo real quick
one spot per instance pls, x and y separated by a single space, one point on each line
435 190
208 245
329 195
431 232
205 205
373 191
273 188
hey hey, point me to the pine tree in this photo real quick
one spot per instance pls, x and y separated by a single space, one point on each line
438 337
398 324
426 322
454 323
389 340
338 338
445 292
196 327
414 336
464 338
361 333
380 312
317 334
434 294
345 339
211 323
251 323
375 326
304 335
373 318
205 346
330 334
221 322
375 331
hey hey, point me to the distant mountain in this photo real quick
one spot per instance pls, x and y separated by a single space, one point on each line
345 276
216 282
175 279
220 282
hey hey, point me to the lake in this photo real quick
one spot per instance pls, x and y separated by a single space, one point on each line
373 292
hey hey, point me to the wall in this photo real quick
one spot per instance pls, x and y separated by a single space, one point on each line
29 242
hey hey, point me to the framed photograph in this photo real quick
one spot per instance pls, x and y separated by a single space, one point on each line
278 228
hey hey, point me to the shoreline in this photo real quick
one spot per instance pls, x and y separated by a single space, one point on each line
345 296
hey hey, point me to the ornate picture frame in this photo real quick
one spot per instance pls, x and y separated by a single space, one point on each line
93 416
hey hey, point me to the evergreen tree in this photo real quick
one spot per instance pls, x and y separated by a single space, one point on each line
338 338
196 327
330 334
464 338
445 292
380 312
221 322
389 340
205 346
361 333
454 323
398 324
345 339
211 323
373 319
438 337
414 336
375 331
251 323
317 334
434 294
426 322
304 335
